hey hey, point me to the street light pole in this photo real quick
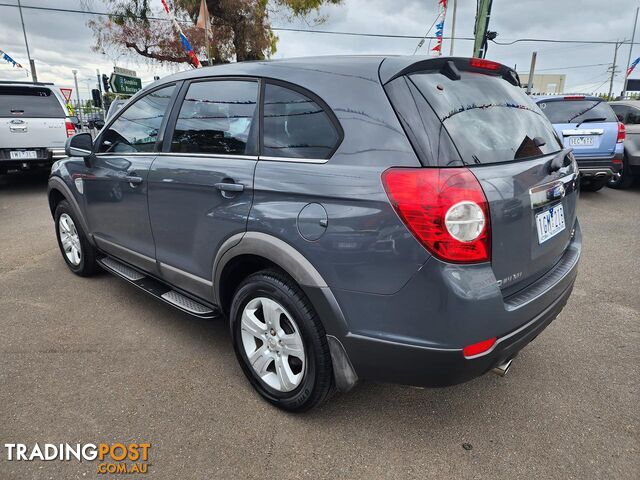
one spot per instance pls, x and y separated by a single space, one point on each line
633 37
453 28
613 68
32 64
79 107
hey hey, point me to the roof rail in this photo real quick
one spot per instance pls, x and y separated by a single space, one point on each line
16 82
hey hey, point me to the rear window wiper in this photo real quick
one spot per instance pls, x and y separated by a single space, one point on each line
591 119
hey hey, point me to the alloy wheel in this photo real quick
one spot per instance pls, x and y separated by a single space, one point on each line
70 239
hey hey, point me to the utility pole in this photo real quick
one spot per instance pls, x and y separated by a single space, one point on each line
79 107
613 67
532 69
453 28
32 64
633 37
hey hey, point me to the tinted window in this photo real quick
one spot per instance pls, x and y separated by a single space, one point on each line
488 119
621 112
576 111
633 118
217 117
29 103
296 126
136 129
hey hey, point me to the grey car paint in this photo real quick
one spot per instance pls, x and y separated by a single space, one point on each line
376 289
631 120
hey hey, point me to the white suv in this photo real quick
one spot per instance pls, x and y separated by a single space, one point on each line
34 126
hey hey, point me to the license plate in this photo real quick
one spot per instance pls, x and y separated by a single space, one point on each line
22 154
580 141
550 223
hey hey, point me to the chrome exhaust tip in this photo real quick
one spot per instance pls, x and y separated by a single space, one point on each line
502 369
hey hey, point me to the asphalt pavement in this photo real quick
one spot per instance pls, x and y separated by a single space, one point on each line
96 360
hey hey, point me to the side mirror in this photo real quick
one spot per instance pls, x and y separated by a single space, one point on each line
80 145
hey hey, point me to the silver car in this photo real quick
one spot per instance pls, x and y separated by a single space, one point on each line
34 126
628 112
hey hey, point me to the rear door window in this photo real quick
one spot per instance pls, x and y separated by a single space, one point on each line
29 102
218 117
577 111
488 119
296 126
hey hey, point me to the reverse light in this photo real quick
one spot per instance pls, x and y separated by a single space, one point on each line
71 129
622 132
479 348
484 64
445 209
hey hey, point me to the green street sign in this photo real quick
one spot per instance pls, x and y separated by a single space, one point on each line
124 84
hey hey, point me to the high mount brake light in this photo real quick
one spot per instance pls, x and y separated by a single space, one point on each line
622 132
574 97
445 209
484 64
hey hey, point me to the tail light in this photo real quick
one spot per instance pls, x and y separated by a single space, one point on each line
622 132
71 129
484 64
445 209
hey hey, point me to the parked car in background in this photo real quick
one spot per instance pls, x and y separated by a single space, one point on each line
588 125
628 112
34 126
416 225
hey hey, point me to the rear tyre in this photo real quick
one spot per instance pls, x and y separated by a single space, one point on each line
280 342
624 179
594 185
76 250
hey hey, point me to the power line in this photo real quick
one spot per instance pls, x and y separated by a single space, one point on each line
330 32
572 67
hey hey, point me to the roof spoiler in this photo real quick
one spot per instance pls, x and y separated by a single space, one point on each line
394 67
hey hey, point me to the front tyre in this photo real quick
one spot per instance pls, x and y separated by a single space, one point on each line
76 251
280 342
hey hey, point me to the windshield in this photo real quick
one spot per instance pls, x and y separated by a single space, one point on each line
577 111
29 102
488 119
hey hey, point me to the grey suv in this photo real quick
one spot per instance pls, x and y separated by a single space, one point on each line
393 219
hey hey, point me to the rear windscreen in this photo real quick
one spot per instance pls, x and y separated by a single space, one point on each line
577 111
29 102
488 119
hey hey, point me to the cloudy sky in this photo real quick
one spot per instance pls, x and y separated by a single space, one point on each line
60 42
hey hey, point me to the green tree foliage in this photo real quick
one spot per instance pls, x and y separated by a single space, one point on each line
239 29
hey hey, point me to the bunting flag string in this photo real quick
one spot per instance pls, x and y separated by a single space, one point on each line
437 49
632 66
183 38
5 56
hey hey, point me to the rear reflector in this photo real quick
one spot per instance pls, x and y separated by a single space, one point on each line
71 129
574 97
479 348
484 64
445 209
622 132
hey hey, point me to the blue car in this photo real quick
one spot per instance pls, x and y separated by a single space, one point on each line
589 126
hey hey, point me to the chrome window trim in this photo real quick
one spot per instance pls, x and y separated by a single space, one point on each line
293 159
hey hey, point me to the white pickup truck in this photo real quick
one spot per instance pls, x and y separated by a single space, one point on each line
34 126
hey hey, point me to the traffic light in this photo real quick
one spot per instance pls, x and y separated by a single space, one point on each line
97 97
105 83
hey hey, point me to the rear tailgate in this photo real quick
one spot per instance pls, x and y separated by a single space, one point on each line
30 118
510 146
588 126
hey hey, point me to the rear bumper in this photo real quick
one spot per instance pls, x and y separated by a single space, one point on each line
417 335
45 157
591 167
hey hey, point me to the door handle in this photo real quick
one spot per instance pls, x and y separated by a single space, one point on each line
132 179
229 187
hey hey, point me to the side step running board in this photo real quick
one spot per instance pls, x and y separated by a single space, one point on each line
157 288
